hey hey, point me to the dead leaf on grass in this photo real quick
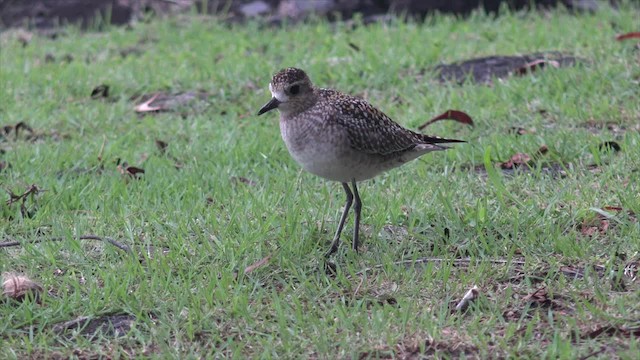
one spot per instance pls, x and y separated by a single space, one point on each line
159 102
131 50
542 299
385 293
24 37
588 228
631 270
610 145
20 287
100 91
30 133
162 146
146 107
521 131
520 159
602 222
467 299
7 129
454 115
258 264
629 35
516 160
452 345
131 171
241 179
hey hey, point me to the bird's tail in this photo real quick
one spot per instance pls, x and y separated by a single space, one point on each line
438 140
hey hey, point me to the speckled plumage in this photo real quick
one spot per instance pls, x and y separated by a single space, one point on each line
340 137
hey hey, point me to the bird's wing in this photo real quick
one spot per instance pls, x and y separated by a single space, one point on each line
371 131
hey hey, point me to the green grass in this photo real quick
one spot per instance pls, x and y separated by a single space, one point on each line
194 229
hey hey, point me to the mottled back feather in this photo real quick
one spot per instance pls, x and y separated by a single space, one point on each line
370 130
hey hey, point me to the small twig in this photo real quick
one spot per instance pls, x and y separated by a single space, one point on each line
471 295
454 261
111 241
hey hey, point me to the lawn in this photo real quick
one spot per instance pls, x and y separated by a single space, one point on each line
224 235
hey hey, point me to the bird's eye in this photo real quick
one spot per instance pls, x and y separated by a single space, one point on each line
294 90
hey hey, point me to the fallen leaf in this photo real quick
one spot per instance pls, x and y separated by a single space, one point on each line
521 131
524 159
132 50
515 161
7 129
131 171
24 37
162 146
455 115
467 299
542 299
588 228
354 46
542 150
145 106
244 180
100 91
630 35
58 272
612 208
19 287
610 145
134 170
258 264
170 102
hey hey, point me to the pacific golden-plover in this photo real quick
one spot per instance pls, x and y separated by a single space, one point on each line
341 138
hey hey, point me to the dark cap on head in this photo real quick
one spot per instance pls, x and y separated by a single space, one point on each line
289 76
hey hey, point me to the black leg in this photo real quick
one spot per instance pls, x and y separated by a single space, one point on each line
343 218
357 207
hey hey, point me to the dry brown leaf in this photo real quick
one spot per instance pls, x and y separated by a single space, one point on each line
516 160
258 264
131 171
100 91
467 299
630 35
18 287
242 179
146 106
455 115
596 225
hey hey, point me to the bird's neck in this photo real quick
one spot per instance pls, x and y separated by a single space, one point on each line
291 109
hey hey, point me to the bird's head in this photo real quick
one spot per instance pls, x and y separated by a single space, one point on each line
291 91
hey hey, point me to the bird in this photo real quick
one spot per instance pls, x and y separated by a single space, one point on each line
341 138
